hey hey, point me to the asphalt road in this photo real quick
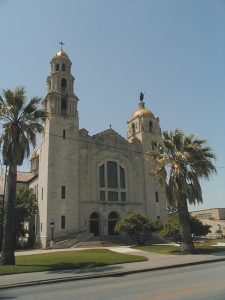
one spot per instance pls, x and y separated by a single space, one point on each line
205 281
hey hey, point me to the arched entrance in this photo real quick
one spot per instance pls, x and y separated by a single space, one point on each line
94 223
113 218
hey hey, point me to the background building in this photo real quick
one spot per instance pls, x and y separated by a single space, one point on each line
214 217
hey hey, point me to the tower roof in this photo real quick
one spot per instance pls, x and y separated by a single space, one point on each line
62 53
142 111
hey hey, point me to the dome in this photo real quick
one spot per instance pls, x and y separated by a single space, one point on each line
142 112
61 53
36 154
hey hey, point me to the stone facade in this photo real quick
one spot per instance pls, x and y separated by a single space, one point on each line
86 183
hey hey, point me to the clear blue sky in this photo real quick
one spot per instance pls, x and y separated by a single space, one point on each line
173 50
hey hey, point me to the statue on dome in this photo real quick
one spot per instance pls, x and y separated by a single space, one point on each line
142 96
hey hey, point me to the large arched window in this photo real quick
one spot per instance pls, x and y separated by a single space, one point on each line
112 182
57 67
63 67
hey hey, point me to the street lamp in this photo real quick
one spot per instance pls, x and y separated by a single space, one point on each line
52 224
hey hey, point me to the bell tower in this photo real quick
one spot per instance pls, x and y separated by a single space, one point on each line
58 186
61 100
143 126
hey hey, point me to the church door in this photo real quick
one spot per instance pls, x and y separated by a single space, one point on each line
113 218
94 223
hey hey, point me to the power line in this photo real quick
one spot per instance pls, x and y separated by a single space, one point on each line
106 145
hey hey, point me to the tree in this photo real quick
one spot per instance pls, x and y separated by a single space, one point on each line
180 161
171 229
198 229
26 206
138 226
20 122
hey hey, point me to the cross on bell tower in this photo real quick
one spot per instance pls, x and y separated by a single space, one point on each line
61 44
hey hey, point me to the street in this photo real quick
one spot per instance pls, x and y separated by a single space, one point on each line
205 281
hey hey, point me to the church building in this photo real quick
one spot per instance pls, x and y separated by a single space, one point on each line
86 183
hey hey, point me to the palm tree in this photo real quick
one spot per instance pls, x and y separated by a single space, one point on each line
180 161
20 122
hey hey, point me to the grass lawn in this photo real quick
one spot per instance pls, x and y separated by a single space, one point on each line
213 242
172 249
162 249
68 260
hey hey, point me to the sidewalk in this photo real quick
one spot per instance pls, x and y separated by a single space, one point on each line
155 262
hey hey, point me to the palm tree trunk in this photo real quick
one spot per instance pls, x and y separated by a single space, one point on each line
8 245
187 245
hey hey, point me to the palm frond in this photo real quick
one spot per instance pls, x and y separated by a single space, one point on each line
185 159
20 124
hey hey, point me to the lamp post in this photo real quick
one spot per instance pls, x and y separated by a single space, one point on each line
3 204
52 224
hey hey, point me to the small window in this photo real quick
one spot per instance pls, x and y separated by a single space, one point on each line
156 197
63 192
158 217
102 196
42 192
112 174
122 178
123 196
57 67
64 133
133 128
41 227
112 196
63 85
63 67
63 222
102 176
150 126
63 106
63 82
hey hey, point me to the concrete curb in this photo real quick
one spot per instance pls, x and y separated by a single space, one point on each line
106 274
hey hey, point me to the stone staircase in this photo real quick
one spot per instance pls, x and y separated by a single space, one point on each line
87 240
71 240
102 241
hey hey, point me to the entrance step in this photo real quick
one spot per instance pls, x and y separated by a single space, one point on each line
103 241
